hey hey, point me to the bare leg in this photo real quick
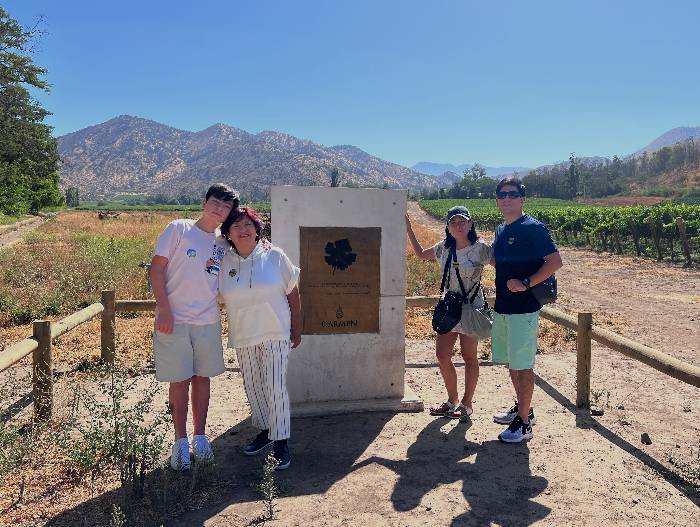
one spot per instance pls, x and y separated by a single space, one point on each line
526 386
200 403
468 347
177 398
444 346
514 380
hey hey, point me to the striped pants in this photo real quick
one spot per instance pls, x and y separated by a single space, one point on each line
264 370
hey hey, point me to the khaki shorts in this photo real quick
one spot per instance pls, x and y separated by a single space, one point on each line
189 350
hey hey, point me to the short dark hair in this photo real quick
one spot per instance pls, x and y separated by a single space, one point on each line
235 215
224 193
513 181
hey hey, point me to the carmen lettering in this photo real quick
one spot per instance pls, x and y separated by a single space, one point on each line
338 323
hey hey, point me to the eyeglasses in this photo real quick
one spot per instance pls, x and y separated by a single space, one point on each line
514 194
459 223
243 225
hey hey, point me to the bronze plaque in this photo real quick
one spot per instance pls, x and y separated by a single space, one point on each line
339 283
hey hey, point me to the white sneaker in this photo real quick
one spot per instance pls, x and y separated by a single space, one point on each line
516 432
180 455
506 417
201 448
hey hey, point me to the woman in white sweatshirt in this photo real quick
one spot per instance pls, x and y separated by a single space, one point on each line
260 288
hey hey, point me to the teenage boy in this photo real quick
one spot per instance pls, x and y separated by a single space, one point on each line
524 255
187 337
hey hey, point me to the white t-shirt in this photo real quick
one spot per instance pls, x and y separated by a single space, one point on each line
191 280
472 260
255 291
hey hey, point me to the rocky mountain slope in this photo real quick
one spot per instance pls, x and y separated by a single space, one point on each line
131 155
675 135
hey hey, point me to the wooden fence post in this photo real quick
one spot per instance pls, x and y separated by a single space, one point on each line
107 336
684 241
655 237
42 371
583 360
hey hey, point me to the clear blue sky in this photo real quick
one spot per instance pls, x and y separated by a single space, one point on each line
500 83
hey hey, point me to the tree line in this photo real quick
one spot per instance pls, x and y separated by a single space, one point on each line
594 178
588 178
28 153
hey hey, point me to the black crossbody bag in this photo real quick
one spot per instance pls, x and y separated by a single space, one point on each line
448 310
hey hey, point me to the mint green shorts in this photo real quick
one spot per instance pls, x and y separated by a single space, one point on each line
514 340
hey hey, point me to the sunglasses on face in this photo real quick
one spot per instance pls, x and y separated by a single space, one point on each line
514 194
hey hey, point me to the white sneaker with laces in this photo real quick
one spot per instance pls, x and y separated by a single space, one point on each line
201 448
506 417
180 455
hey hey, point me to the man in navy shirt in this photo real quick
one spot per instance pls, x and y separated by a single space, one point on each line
524 256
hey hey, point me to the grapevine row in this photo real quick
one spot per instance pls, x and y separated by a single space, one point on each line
641 231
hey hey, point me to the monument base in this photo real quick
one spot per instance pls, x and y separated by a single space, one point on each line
409 403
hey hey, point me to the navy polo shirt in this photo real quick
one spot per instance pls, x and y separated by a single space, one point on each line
519 250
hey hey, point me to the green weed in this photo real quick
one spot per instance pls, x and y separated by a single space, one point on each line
105 431
269 491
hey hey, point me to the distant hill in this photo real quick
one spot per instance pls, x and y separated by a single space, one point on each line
438 169
675 135
131 155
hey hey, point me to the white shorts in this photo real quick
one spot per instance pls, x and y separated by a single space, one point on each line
189 350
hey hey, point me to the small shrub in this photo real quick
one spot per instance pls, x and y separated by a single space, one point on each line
117 517
106 432
268 488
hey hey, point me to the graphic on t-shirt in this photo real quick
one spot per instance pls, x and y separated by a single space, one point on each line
214 263
191 253
511 240
339 255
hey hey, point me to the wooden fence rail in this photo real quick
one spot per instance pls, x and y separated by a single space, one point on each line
44 332
585 332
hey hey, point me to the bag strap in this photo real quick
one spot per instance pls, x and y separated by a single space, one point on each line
466 298
445 272
459 277
475 288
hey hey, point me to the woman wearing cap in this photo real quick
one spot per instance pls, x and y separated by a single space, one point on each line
472 254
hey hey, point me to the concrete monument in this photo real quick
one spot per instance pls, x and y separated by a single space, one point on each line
351 247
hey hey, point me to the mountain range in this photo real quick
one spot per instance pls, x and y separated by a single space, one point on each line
134 156
438 169
130 155
675 135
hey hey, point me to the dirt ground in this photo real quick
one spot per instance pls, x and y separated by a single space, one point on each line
11 234
651 302
413 469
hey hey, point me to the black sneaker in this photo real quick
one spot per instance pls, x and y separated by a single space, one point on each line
506 417
281 452
258 444
516 432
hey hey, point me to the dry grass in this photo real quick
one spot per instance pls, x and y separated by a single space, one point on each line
56 259
63 266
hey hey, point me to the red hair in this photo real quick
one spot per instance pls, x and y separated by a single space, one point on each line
235 215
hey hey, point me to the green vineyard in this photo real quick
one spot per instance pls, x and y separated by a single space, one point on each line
664 231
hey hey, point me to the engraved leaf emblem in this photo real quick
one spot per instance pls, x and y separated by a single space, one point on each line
339 254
